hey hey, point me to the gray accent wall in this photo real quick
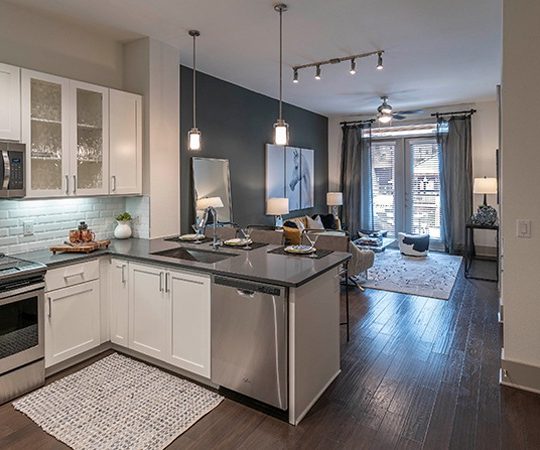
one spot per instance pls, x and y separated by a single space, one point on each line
236 124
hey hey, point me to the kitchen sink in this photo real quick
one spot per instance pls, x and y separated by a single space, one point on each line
190 254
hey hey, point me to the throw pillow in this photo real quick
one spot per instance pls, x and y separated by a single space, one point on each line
300 222
329 221
293 236
314 224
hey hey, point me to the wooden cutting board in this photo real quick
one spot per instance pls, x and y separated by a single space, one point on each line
85 247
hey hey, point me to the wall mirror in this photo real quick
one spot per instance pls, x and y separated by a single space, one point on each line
212 181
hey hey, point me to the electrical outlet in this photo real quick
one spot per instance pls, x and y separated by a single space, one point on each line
523 228
28 228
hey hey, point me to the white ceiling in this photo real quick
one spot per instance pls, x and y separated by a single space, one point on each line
437 51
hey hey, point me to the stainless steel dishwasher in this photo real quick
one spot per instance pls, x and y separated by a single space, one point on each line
249 339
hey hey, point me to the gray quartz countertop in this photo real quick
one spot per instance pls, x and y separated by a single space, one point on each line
254 265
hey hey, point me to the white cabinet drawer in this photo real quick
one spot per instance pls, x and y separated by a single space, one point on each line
71 275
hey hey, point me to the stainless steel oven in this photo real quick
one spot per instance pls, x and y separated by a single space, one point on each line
12 170
22 366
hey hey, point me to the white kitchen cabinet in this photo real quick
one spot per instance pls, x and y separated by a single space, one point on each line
45 112
118 302
89 138
149 311
125 142
10 103
72 322
190 316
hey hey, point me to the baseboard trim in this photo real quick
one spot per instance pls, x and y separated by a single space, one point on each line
520 376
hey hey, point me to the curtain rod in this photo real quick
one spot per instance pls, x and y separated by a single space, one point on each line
357 122
452 113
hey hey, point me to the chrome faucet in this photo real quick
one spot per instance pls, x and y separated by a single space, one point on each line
204 221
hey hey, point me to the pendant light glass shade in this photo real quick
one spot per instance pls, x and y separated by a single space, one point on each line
281 132
281 129
194 139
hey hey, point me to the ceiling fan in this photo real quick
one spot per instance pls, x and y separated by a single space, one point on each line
385 112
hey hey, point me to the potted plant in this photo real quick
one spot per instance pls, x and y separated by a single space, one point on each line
123 229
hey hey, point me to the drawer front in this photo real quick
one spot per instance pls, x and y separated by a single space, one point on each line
71 275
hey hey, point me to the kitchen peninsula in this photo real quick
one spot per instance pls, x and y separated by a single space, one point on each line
161 302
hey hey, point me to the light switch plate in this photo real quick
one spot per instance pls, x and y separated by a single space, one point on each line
28 228
523 228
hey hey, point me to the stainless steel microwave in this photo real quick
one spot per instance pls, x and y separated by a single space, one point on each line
12 170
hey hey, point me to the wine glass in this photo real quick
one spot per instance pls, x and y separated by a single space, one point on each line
312 239
246 232
198 233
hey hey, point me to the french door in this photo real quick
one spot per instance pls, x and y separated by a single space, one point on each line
406 187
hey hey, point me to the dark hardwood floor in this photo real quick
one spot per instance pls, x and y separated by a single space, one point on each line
417 373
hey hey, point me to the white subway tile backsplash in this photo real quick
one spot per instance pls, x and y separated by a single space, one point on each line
55 217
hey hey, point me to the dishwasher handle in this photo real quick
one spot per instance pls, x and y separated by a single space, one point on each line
245 293
249 288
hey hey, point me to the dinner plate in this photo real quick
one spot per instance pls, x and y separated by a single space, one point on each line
300 249
191 237
238 242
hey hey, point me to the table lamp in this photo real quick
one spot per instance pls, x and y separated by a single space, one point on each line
334 200
277 206
485 215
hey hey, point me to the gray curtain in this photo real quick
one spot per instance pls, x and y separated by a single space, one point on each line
454 138
356 178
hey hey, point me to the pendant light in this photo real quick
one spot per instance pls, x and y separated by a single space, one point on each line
281 128
194 135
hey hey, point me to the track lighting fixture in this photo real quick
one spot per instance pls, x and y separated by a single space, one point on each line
281 128
379 61
318 73
194 135
353 67
351 58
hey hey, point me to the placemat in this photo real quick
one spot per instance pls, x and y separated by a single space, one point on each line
320 253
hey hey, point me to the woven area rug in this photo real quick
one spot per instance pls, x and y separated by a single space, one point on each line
118 403
432 276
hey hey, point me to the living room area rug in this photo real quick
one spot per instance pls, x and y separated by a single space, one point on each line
118 403
430 276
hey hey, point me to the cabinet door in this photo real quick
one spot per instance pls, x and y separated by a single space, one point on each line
118 298
125 138
10 102
89 139
72 323
190 313
149 306
45 125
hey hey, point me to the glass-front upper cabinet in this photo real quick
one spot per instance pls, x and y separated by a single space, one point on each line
89 139
45 131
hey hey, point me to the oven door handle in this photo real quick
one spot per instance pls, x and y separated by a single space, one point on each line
7 169
9 296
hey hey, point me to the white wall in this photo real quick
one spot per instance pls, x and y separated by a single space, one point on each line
485 131
521 181
42 43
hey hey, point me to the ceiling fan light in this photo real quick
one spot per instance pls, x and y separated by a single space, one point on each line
384 118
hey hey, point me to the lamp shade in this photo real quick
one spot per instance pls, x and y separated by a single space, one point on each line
277 206
206 202
334 198
485 185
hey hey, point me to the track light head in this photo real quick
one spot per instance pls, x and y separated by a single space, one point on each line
353 67
295 76
318 73
380 65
